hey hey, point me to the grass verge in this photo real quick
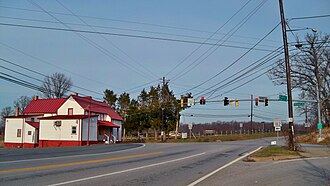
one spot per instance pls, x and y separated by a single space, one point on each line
273 153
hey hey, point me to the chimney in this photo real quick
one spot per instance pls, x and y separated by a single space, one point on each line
74 94
35 98
17 111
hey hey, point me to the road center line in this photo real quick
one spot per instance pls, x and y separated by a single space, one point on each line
73 156
77 163
219 169
127 170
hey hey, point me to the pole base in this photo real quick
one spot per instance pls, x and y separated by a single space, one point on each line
319 140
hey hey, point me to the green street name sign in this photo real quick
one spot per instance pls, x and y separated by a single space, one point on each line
283 98
299 104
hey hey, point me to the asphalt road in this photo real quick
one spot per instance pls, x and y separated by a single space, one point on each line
132 164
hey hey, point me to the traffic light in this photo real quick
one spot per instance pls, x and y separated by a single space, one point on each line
182 103
236 103
202 101
257 101
226 101
266 102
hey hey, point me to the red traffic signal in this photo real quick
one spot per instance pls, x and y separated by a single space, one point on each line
257 101
202 101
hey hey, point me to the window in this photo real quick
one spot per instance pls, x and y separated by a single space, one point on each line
32 119
29 133
73 130
70 111
19 133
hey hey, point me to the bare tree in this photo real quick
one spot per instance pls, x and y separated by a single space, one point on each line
56 85
7 111
22 103
310 69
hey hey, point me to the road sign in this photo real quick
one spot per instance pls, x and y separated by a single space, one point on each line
190 126
277 122
299 104
283 98
277 129
319 126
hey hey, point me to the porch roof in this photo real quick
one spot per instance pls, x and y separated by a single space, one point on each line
33 124
107 124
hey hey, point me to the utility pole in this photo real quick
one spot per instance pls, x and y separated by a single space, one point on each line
163 102
288 78
251 115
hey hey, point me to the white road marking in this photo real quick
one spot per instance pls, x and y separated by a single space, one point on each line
72 156
127 170
219 169
285 161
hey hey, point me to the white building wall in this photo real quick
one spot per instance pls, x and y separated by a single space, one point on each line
12 124
29 138
92 129
70 103
119 123
64 132
108 118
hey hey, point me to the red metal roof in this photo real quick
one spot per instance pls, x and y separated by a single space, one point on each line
33 124
67 117
106 123
87 103
44 105
23 116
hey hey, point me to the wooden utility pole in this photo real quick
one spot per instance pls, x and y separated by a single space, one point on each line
291 142
251 115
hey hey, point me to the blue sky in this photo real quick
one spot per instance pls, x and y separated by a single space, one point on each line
123 63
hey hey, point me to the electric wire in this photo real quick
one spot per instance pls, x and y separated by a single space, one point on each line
230 65
261 61
106 39
92 43
209 52
191 53
128 35
41 74
51 64
131 30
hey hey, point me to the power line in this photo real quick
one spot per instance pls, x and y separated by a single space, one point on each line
262 61
208 52
51 64
122 51
130 30
191 53
92 43
310 17
128 35
234 61
127 21
33 71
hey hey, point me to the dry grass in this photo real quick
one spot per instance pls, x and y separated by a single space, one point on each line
311 138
